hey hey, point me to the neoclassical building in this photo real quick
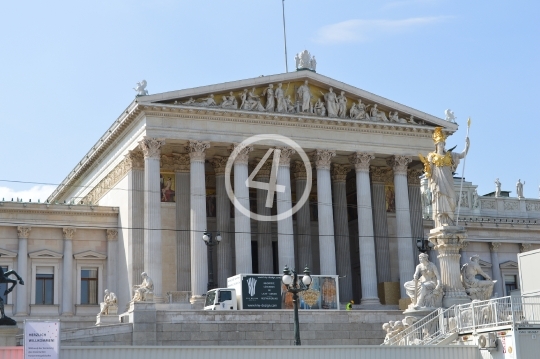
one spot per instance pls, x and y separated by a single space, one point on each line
149 188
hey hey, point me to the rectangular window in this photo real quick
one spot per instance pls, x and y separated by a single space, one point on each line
45 285
3 287
89 286
510 283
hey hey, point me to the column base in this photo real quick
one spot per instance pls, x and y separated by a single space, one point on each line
67 314
370 301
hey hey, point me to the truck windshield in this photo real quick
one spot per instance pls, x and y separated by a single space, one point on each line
210 297
225 295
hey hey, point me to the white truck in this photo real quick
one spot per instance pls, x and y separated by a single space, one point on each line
220 299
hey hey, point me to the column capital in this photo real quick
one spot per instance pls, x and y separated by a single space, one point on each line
525 247
197 149
339 172
361 161
112 234
323 158
134 160
380 174
265 170
495 246
218 163
464 245
399 164
68 232
23 232
151 146
180 162
242 151
299 170
413 176
285 157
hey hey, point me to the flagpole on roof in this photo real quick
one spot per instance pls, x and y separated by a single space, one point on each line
285 36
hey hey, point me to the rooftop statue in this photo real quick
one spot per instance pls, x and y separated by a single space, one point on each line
449 116
439 167
141 88
497 188
519 188
304 61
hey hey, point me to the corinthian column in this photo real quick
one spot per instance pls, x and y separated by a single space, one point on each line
264 228
67 272
199 258
327 246
379 177
21 306
151 148
303 218
415 205
112 255
181 164
403 218
242 223
495 266
368 271
341 225
223 218
284 204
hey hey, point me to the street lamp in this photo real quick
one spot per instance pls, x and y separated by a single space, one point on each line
295 286
423 245
207 238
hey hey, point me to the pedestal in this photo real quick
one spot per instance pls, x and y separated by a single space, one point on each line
143 317
7 335
102 319
448 241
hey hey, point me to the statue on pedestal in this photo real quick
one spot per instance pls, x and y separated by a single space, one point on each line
497 188
476 288
439 167
519 188
109 306
425 289
144 292
141 88
4 278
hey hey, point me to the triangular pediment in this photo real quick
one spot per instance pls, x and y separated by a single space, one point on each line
508 265
45 254
215 98
89 255
4 253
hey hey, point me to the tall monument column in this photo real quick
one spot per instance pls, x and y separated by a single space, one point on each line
153 260
264 228
67 271
181 164
199 258
327 246
242 223
303 218
368 271
403 220
341 225
223 220
284 204
21 305
494 249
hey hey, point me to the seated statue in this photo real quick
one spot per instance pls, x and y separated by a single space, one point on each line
109 306
319 108
145 291
425 289
476 288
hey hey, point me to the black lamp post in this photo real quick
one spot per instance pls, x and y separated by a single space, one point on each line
296 286
423 245
207 238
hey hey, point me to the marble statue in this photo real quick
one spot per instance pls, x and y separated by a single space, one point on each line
229 102
189 102
425 289
254 101
497 188
342 105
319 108
144 292
475 202
377 115
207 102
269 93
411 120
141 88
4 278
427 199
519 188
476 288
439 167
449 116
359 111
304 96
281 105
243 100
297 60
304 60
331 102
109 306
394 329
289 104
313 63
394 117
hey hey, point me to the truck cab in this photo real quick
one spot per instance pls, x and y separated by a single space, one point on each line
220 299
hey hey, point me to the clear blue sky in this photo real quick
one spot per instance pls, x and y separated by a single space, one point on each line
68 69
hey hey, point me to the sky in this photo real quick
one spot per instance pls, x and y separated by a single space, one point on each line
68 68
